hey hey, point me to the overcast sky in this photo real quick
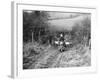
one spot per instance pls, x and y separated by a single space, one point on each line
68 22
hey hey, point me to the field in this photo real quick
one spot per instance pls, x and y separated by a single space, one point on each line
40 56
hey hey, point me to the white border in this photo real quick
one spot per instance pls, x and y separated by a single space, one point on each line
18 71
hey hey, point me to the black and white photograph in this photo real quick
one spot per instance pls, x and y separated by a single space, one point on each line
56 39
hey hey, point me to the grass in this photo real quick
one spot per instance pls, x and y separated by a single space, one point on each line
37 56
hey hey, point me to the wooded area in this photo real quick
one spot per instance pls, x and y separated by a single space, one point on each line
40 42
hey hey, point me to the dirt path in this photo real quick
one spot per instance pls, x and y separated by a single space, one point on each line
53 58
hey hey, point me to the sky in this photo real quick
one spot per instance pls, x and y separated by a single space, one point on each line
67 20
